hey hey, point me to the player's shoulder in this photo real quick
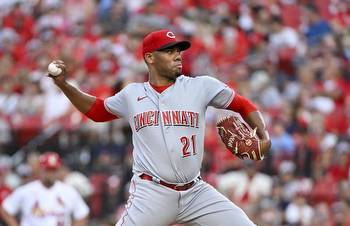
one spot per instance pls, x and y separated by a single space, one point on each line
29 187
66 188
131 87
31 184
61 184
134 85
197 78
200 80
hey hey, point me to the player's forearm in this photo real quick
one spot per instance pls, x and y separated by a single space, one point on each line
82 101
255 120
81 222
9 219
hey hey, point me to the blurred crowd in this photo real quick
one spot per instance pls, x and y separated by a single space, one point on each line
290 57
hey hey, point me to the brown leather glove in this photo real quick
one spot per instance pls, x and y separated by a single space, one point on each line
239 138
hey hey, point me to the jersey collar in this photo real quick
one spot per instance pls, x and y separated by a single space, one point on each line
160 89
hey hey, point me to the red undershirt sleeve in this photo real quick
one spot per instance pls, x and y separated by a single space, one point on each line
98 112
241 105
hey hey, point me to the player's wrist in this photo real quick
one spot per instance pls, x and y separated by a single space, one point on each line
62 84
265 145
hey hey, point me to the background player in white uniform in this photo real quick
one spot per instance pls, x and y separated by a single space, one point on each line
46 201
167 117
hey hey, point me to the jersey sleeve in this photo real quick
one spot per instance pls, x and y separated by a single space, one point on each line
217 93
13 202
117 104
80 209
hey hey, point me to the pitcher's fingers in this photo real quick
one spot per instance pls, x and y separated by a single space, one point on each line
62 66
58 62
52 76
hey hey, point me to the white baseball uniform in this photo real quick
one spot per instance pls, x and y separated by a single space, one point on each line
39 205
168 138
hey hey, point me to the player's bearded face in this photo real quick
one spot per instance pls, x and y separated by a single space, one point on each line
169 62
48 177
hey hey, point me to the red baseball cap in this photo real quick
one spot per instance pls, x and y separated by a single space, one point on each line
162 39
50 161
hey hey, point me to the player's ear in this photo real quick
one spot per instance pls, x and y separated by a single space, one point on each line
149 58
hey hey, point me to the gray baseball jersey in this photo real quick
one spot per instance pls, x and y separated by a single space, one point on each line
168 137
168 128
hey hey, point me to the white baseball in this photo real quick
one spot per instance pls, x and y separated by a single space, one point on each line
54 70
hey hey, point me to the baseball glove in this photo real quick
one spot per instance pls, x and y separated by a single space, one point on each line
239 138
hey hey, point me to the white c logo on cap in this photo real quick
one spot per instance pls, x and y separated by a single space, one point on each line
170 34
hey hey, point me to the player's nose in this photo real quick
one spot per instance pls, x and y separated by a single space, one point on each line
178 56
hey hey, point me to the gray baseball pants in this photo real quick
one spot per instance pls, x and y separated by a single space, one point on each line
152 204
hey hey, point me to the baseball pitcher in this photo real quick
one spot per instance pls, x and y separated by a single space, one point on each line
167 118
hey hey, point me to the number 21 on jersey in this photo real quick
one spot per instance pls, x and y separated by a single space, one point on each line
187 143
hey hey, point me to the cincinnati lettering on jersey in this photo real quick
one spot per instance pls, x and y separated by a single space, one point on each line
169 118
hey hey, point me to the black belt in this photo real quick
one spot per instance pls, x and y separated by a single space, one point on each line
175 187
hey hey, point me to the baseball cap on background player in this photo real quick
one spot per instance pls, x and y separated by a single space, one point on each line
50 161
162 39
